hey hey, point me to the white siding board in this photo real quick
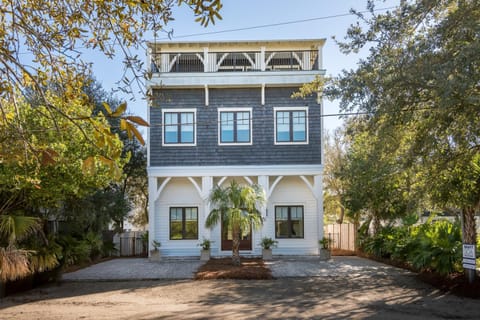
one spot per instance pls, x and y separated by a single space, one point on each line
294 191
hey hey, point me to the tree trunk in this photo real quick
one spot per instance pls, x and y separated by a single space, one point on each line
469 235
342 215
235 246
376 224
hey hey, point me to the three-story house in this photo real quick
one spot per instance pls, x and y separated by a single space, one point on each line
224 110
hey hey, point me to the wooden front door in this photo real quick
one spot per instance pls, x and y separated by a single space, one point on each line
245 240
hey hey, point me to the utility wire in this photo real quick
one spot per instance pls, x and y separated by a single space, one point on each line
257 120
273 24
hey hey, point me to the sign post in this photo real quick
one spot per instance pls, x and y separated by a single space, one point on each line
469 261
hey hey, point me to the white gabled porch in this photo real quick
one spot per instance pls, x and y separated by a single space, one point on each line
192 191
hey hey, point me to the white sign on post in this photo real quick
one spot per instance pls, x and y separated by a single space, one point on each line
469 256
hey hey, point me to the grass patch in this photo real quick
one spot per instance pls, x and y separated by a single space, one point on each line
250 269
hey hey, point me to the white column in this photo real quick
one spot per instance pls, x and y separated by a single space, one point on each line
317 187
206 60
320 58
263 181
150 59
207 185
262 58
263 94
164 62
152 197
207 99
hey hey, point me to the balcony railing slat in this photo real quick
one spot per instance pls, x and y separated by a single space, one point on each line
234 61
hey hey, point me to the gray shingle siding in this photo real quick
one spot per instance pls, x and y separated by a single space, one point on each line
207 152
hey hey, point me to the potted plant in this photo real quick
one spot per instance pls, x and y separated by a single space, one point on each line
205 252
267 245
324 251
155 252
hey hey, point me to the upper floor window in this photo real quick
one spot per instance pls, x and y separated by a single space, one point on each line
291 125
179 127
235 126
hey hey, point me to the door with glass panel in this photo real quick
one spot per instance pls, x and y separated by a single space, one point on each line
227 240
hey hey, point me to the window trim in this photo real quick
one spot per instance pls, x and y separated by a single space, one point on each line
183 222
290 109
177 110
289 220
219 111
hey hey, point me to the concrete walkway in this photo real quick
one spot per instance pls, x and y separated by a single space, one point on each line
142 269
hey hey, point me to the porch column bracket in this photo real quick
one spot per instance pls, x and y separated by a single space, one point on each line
160 189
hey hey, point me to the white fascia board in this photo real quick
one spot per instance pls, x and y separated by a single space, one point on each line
235 171
222 79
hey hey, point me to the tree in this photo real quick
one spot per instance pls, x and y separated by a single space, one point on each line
43 48
421 78
334 188
16 262
236 208
53 144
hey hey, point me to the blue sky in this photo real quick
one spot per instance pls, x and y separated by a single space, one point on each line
250 13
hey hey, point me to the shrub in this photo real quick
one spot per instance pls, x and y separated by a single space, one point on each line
205 244
74 251
96 244
437 246
268 243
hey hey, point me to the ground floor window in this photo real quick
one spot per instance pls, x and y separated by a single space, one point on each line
289 221
183 223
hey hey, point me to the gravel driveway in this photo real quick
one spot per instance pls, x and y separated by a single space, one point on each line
343 288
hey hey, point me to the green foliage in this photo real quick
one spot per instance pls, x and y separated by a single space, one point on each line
325 242
205 244
82 249
74 251
108 249
156 244
416 140
14 228
95 243
434 245
45 256
437 246
268 243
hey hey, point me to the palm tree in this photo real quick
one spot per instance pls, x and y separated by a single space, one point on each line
14 262
236 207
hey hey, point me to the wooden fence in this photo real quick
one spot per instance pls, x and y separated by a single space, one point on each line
130 243
342 236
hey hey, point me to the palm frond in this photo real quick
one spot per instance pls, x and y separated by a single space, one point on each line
14 263
15 228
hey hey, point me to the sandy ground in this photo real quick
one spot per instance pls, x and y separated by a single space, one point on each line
358 296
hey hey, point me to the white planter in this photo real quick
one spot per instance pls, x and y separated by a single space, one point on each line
204 255
267 254
325 254
155 255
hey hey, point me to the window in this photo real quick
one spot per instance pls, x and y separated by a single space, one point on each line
235 126
178 127
291 125
289 221
183 223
